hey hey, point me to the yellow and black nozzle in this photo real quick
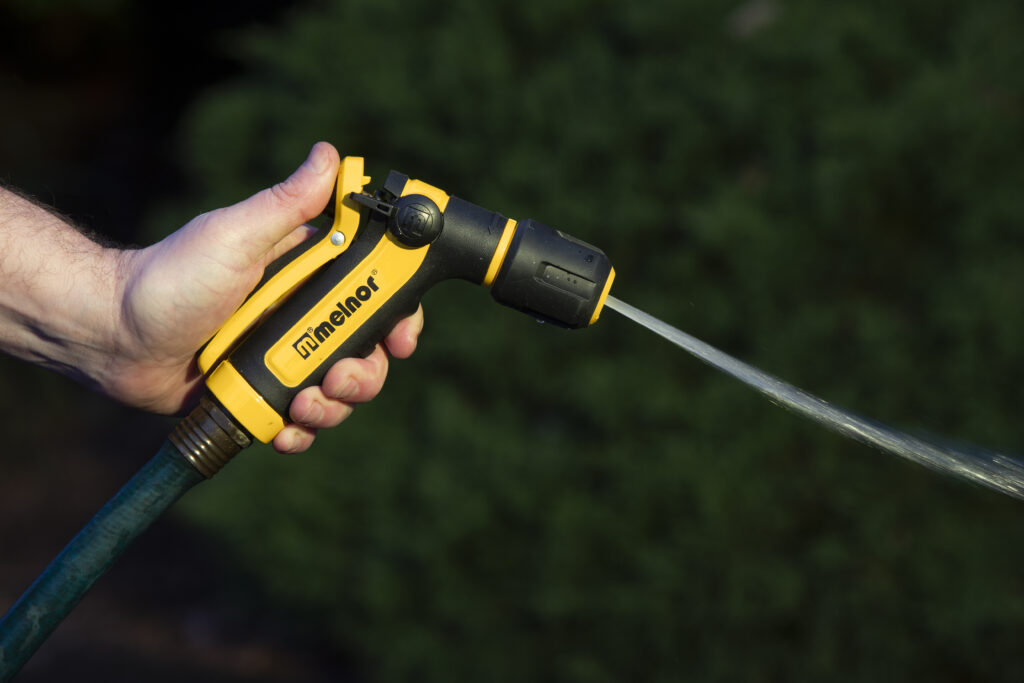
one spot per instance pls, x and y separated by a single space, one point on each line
339 296
553 276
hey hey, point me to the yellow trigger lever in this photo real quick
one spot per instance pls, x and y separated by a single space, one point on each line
283 283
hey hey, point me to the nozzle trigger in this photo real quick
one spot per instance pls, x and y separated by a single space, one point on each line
374 204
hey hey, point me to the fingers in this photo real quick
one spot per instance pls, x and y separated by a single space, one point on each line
402 340
256 226
294 439
290 241
350 381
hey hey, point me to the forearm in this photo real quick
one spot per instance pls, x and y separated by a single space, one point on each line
58 292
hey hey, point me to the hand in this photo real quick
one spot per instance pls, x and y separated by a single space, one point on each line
176 294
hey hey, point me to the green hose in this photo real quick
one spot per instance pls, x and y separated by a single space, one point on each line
199 446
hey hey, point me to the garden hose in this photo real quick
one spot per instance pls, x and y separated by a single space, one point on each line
199 445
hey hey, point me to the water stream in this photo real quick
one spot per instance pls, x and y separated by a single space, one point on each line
994 470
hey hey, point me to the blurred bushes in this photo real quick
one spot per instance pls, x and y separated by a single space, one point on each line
831 191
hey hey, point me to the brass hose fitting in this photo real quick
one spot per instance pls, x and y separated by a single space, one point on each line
208 438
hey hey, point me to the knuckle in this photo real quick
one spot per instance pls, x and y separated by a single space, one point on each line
284 192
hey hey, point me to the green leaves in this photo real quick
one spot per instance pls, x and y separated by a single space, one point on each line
833 196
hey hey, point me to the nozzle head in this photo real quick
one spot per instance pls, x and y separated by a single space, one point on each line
553 277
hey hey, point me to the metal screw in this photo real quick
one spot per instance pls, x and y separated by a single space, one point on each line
338 239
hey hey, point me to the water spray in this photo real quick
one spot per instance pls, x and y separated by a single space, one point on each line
994 470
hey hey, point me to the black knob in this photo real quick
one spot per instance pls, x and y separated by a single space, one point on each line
417 220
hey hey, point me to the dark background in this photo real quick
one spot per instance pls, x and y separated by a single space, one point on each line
828 190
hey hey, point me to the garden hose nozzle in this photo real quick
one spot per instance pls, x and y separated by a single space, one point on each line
339 296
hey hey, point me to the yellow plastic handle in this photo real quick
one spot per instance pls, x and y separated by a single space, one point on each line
284 282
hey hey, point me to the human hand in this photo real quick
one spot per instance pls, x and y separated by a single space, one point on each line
175 295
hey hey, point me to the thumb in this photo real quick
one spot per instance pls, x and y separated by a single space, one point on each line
256 225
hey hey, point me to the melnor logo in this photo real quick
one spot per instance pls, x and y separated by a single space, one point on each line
343 310
306 345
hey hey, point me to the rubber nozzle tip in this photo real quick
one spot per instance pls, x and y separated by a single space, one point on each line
553 277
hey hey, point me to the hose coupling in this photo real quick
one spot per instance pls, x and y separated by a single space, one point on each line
208 438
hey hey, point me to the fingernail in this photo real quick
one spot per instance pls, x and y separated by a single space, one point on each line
318 158
347 390
313 413
291 444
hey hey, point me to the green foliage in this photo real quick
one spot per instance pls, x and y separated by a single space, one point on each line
829 190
